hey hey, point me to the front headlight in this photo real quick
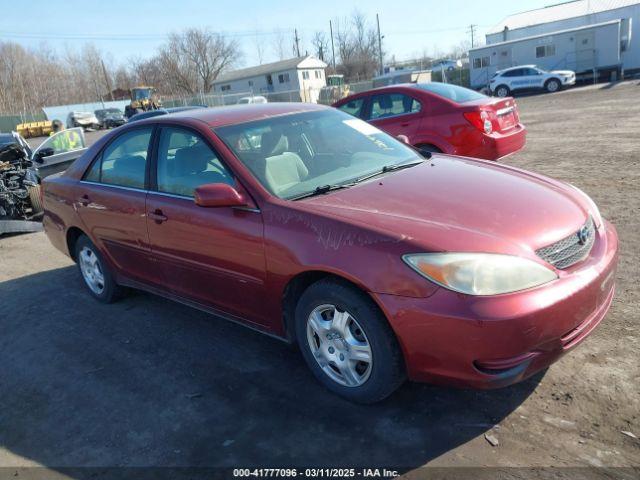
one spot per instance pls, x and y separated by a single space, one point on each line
480 273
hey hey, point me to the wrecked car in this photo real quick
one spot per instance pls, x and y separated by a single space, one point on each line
110 117
85 120
22 170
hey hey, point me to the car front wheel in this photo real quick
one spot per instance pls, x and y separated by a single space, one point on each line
552 85
502 91
95 273
347 342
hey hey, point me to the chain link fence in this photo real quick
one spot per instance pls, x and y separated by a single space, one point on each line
325 95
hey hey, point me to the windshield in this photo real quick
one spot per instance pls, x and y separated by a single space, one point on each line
142 94
295 154
451 92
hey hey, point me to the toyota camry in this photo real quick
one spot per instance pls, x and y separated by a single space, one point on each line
316 227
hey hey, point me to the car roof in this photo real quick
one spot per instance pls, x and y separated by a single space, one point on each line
517 66
234 114
148 114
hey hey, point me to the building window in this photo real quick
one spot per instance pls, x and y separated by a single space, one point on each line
318 74
481 62
305 75
283 78
545 51
224 88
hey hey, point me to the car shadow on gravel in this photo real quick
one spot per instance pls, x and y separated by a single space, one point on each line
148 382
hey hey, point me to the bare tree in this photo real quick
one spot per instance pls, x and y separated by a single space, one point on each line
357 47
280 48
259 48
33 78
193 59
320 45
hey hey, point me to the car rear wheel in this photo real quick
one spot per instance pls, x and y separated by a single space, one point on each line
95 273
347 342
502 91
552 85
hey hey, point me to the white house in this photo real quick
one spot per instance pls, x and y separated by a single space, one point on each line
304 76
582 35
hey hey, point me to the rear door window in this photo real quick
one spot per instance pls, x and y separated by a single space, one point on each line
123 163
513 73
392 104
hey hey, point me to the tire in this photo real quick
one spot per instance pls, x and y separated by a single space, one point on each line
360 330
502 91
34 196
552 85
103 288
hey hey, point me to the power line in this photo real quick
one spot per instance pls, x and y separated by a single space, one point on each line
159 36
128 36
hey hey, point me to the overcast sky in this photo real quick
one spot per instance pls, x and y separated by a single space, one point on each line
135 28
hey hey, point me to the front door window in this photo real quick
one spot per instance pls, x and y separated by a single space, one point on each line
185 162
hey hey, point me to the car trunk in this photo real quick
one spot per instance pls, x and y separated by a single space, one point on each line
502 112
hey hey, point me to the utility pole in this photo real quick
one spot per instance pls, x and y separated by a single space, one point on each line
472 30
333 51
297 42
106 79
380 45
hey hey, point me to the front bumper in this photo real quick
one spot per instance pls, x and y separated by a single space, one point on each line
445 337
86 123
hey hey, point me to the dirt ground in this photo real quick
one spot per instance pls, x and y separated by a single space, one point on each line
147 382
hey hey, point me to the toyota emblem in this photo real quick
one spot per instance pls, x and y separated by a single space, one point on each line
583 235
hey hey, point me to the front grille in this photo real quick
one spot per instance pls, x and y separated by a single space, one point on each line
570 250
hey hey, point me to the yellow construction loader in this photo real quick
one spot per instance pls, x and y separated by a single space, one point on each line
142 100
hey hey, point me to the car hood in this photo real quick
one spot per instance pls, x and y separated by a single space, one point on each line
457 204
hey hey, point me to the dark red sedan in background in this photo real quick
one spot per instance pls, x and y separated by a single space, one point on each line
316 227
439 117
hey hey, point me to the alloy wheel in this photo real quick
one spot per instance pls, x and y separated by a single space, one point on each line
91 270
339 345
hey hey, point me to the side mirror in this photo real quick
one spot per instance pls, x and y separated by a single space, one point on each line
218 195
404 139
45 152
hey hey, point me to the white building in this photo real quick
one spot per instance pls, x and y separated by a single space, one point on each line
304 76
583 35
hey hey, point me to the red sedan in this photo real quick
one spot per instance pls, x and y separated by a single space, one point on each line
315 227
439 117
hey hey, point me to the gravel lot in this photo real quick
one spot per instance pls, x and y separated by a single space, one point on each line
147 382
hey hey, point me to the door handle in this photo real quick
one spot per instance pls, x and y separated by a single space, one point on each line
84 200
406 124
157 216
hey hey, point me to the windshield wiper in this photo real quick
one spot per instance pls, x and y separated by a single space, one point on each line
387 169
322 189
